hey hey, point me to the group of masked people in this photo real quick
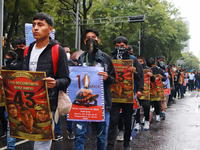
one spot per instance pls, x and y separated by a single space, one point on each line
117 114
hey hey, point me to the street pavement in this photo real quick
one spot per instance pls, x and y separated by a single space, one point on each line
179 131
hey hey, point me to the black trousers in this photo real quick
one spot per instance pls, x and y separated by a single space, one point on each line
3 119
156 106
127 111
146 106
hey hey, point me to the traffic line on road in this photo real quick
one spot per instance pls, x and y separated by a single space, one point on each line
18 143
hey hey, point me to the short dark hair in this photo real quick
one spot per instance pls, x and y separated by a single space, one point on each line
150 62
11 54
95 31
43 16
140 57
65 46
120 39
160 57
19 41
129 48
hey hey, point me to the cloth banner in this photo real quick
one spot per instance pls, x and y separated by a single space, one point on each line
86 92
27 104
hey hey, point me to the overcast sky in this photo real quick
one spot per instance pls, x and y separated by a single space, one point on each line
191 10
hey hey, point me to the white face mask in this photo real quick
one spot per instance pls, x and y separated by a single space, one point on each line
68 56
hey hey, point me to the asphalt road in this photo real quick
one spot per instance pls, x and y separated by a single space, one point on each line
179 131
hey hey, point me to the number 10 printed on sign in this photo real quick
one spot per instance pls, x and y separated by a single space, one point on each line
87 94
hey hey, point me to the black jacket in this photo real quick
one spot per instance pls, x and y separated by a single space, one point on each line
158 70
105 62
45 64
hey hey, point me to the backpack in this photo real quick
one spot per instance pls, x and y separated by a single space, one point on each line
54 56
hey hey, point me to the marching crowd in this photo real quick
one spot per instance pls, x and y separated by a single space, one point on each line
118 116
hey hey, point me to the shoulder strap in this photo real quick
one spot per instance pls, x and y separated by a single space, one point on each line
26 51
55 56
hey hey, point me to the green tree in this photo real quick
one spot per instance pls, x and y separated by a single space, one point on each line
190 61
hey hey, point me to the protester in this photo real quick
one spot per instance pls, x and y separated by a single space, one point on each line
95 57
16 64
127 108
39 58
191 77
144 103
156 70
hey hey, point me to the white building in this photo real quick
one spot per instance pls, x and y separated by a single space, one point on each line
186 49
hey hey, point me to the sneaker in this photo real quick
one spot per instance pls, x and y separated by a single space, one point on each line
120 136
126 148
131 138
162 114
146 125
157 117
3 134
58 137
71 134
137 127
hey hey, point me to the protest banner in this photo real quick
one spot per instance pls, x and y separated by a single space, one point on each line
166 85
122 91
2 95
87 94
146 90
27 104
156 91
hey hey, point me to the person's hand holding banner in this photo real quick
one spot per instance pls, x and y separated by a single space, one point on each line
104 74
51 82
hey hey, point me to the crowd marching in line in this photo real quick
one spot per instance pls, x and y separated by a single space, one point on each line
118 116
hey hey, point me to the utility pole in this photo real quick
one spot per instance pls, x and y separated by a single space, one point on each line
77 26
1 29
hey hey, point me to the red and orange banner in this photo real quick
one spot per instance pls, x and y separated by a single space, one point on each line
2 95
27 104
146 90
122 91
156 91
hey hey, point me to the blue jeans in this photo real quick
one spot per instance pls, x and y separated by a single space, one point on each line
101 131
10 140
57 128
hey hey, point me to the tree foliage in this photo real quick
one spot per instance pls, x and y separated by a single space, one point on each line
162 33
190 61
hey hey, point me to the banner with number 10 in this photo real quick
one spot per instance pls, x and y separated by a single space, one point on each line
87 94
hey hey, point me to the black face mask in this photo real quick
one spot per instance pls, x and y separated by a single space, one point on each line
120 53
20 52
92 49
7 61
143 65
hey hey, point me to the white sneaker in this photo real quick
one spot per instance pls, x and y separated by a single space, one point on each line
157 117
120 136
146 125
131 138
137 127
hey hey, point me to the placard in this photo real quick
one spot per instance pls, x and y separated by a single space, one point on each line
86 92
2 95
122 91
27 104
146 89
166 85
156 91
